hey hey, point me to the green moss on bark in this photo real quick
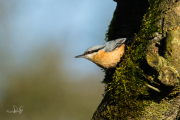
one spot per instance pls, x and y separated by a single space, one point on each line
123 99
127 82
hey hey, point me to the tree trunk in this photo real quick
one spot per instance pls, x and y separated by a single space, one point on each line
145 85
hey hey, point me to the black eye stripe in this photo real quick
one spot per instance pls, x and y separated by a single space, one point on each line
89 52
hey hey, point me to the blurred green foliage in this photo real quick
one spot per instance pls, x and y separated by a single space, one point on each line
47 91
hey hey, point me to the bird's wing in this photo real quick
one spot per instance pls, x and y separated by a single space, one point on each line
112 45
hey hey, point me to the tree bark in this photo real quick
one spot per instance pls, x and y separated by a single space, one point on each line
156 51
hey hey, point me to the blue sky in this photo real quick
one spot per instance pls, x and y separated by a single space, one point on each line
73 25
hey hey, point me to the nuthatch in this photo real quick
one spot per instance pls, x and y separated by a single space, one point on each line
107 55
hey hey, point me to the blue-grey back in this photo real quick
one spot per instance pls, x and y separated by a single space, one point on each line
112 45
108 46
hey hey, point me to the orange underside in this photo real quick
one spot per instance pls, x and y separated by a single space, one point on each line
109 59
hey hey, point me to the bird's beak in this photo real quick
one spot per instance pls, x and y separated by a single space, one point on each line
79 56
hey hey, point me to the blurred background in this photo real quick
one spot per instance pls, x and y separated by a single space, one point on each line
38 42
